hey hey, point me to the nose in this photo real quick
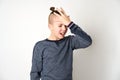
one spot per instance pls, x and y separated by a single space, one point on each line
64 27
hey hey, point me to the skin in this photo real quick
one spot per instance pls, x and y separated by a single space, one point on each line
58 25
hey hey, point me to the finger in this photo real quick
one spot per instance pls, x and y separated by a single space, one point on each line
62 10
59 11
57 14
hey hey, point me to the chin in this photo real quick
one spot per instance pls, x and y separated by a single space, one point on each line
61 37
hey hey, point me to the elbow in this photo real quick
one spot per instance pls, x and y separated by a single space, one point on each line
89 42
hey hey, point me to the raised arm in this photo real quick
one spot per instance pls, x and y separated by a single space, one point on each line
80 39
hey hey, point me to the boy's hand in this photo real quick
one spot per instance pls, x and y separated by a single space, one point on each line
65 19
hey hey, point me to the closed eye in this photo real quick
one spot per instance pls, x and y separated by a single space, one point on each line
66 26
60 25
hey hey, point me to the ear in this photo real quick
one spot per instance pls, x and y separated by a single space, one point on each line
50 26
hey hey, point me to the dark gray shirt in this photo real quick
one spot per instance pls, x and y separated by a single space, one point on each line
52 60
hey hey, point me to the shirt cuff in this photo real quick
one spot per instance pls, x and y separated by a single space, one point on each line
70 24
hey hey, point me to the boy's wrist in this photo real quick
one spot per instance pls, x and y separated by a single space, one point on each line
67 23
70 23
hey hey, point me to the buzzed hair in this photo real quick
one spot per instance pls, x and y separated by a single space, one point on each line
51 17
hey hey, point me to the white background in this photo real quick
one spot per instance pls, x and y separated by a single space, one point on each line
24 22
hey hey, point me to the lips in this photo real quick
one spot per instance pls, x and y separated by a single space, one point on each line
62 34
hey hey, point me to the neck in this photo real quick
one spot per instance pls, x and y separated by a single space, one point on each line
51 37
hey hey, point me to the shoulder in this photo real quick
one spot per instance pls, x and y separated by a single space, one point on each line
70 36
40 44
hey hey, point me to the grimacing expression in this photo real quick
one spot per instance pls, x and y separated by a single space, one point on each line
58 29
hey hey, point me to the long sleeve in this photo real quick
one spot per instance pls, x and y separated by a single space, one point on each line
80 39
36 64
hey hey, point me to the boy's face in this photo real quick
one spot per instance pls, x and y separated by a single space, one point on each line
58 29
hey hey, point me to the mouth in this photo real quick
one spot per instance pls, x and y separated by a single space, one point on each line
62 34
